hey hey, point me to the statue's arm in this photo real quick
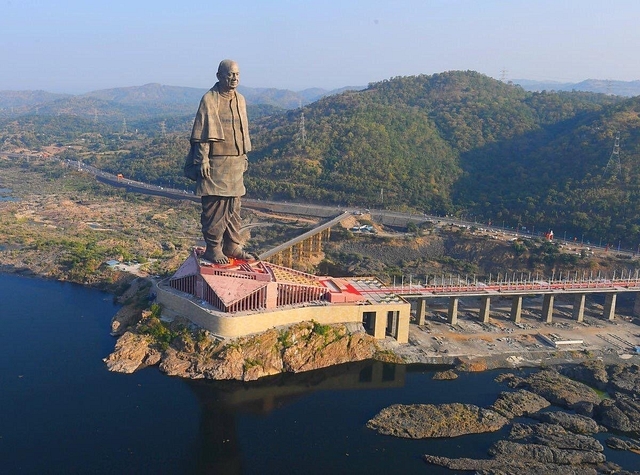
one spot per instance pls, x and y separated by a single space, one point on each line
201 157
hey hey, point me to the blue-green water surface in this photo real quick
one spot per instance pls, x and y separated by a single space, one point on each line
62 412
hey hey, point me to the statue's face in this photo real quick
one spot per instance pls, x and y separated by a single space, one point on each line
230 78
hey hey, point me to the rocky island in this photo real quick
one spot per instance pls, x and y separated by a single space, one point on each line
184 350
553 415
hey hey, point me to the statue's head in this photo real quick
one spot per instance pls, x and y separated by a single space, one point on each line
228 74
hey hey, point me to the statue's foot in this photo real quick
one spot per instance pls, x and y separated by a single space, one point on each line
239 253
214 255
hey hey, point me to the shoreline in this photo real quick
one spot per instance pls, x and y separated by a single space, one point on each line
471 346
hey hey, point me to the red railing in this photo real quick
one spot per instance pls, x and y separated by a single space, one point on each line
511 286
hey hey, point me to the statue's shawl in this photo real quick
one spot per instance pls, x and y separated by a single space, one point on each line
207 126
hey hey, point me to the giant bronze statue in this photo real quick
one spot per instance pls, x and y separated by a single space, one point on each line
218 160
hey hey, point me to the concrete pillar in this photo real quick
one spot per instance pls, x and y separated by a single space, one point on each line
288 259
421 306
271 300
453 310
516 308
485 306
578 307
402 334
610 306
379 326
547 308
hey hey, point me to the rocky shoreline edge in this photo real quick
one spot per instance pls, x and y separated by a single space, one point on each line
148 337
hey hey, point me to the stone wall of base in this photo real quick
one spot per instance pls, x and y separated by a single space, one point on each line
240 325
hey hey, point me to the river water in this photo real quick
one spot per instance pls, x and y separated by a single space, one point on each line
62 412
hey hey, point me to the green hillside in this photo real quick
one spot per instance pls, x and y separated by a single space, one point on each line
452 143
461 143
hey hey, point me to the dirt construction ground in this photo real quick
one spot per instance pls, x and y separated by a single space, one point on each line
504 343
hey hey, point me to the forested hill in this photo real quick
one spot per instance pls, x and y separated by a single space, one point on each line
461 142
451 143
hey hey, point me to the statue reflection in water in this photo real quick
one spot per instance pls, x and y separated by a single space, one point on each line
222 402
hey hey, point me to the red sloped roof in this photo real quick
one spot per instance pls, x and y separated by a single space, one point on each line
230 289
188 267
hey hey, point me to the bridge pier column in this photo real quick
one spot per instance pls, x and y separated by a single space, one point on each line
421 308
453 310
485 306
547 308
516 308
578 307
290 256
610 306
296 255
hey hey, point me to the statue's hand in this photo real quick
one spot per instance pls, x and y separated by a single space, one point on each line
205 170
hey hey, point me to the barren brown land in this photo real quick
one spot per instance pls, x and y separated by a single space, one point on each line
502 343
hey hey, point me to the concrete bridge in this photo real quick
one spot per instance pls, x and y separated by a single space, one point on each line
303 246
516 291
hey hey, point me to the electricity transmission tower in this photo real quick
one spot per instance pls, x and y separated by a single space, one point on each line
303 131
613 168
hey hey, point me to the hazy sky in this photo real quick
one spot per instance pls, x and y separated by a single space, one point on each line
77 46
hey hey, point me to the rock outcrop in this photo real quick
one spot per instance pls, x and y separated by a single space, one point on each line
613 378
555 436
132 352
519 403
536 449
506 467
125 317
575 423
624 379
618 444
419 421
620 414
445 375
554 387
135 298
302 347
593 373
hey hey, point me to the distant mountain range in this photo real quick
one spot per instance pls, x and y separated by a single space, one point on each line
152 99
158 100
604 86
